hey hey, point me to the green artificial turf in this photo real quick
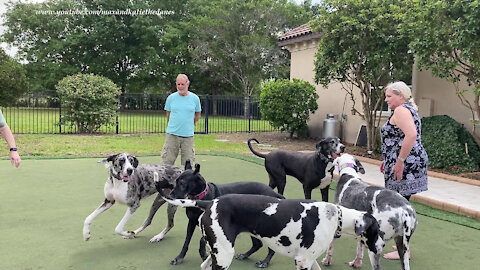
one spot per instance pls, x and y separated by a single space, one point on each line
44 203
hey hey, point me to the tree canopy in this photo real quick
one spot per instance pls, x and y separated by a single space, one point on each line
13 80
226 44
446 40
362 46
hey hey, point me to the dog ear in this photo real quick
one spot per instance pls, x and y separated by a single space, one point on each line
135 162
110 158
197 168
188 165
321 150
359 166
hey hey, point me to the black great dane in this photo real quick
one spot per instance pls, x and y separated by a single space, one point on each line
191 184
311 169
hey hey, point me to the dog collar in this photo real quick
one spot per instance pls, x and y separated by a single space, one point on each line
347 165
338 232
201 195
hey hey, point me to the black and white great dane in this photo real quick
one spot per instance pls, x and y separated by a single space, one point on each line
191 184
395 215
300 229
311 169
128 183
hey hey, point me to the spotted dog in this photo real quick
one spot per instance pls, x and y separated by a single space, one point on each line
395 215
300 229
191 184
311 169
128 183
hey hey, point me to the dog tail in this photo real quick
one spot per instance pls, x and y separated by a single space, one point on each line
188 203
251 148
181 202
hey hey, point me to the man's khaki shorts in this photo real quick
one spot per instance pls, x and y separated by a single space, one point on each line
173 145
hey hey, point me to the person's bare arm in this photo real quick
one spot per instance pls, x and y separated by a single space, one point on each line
197 117
7 134
404 120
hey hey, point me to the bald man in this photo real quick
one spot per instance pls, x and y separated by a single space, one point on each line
183 110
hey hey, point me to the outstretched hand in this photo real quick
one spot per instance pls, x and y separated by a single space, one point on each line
15 158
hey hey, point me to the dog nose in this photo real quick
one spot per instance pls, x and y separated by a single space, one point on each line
129 171
342 148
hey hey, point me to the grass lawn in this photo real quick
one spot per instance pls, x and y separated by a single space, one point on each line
39 145
46 121
45 201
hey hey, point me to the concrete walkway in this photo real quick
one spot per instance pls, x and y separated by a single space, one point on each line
445 192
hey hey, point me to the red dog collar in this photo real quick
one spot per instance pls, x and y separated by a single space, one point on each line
201 195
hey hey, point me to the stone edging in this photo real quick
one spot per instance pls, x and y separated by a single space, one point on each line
444 176
449 207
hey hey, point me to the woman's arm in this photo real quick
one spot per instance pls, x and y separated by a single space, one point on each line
404 120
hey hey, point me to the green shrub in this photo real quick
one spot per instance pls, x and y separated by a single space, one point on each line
88 101
444 140
287 104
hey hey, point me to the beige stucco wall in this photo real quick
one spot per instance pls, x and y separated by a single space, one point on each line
436 96
331 100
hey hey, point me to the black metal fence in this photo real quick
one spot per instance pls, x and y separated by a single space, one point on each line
40 113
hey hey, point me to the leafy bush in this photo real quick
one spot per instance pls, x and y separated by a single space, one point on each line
88 101
13 79
444 140
287 104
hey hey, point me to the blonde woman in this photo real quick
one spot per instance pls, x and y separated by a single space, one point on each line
405 161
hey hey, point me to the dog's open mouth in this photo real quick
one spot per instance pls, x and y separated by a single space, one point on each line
124 178
335 155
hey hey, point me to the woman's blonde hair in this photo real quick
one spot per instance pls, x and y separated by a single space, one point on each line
401 87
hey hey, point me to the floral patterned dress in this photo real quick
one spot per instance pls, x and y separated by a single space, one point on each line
414 178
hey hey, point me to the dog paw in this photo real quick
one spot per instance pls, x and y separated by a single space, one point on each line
241 257
326 261
355 263
157 238
86 236
129 235
176 261
261 264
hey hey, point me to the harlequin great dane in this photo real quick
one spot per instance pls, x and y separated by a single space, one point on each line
395 215
128 183
300 229
311 169
191 184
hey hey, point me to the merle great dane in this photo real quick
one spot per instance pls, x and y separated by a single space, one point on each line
128 183
191 184
300 229
395 215
311 169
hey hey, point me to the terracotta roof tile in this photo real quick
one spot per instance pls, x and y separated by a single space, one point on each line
302 30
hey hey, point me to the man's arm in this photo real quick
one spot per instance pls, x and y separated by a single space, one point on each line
197 117
168 115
